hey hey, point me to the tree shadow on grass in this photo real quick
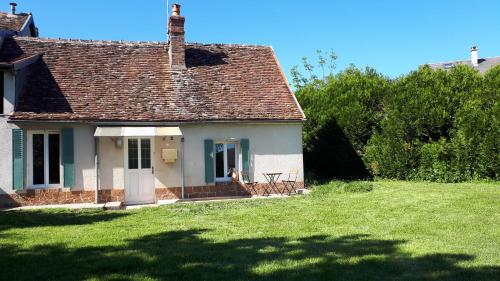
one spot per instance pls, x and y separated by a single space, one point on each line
28 219
186 255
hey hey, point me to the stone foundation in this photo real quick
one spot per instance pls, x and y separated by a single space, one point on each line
217 190
53 196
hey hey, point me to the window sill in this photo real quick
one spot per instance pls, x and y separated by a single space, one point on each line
45 187
223 180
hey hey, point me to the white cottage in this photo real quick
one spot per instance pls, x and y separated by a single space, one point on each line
137 122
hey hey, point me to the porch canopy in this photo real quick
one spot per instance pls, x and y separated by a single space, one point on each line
137 131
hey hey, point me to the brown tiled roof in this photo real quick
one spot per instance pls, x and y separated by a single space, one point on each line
12 22
115 81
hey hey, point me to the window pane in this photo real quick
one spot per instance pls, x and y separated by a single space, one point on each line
133 154
38 159
145 153
219 160
231 158
54 159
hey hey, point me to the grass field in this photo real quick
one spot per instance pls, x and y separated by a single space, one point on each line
397 231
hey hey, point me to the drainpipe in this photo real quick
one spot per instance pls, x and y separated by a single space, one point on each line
96 164
182 167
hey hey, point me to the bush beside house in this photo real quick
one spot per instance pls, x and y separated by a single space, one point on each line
432 124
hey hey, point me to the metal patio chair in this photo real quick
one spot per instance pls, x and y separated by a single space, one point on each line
249 185
290 182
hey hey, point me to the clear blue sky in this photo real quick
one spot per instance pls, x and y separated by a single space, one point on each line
393 36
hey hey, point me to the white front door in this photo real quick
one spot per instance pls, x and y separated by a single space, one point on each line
139 178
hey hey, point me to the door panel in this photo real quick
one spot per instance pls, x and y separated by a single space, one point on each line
145 153
139 178
133 154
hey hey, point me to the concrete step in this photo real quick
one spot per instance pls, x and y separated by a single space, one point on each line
303 191
113 206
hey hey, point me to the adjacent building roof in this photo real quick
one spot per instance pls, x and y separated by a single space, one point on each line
126 81
13 22
483 65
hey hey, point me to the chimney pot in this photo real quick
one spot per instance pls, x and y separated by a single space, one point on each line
473 56
176 10
13 8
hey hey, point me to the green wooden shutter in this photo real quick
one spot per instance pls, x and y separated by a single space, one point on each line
209 161
17 159
68 156
245 155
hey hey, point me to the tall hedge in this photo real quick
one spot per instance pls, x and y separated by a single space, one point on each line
438 125
342 112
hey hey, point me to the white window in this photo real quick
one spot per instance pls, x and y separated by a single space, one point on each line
44 159
226 158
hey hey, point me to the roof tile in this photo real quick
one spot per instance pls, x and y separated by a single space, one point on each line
126 81
12 22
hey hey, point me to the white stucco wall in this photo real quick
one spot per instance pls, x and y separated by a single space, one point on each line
9 92
85 173
110 164
6 133
273 148
5 155
167 174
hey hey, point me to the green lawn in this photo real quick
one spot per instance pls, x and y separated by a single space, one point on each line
398 231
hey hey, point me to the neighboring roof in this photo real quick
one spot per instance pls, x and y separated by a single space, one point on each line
117 81
13 22
484 64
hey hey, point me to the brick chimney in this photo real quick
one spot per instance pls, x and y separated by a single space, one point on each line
176 51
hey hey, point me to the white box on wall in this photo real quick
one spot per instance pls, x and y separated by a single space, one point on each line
169 155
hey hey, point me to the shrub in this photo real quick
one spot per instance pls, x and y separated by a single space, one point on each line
433 125
439 126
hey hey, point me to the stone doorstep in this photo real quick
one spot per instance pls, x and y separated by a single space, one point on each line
303 191
166 202
116 205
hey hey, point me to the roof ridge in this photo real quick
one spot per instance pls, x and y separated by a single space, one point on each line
227 45
88 41
464 60
127 42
